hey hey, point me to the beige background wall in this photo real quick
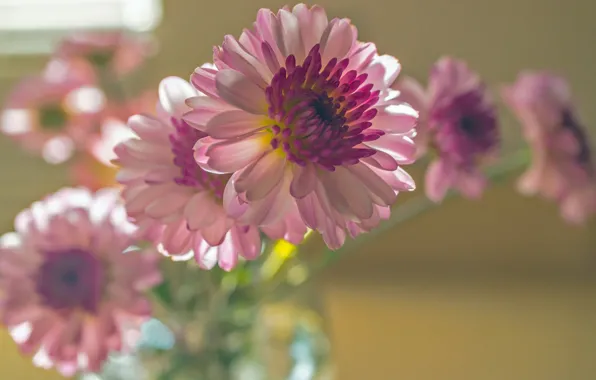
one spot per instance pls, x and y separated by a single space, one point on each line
500 289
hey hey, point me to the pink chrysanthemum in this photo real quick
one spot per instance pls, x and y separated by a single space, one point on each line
53 114
71 279
164 184
115 51
459 123
302 113
562 167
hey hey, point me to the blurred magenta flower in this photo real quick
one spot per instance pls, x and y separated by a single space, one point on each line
301 113
71 279
562 168
54 113
458 123
163 185
92 167
117 52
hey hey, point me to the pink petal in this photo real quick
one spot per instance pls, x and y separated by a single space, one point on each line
266 24
578 206
39 330
362 56
450 76
240 91
232 155
200 211
125 175
260 178
399 179
231 202
566 142
160 175
439 178
312 23
381 160
203 79
204 254
337 40
91 336
530 181
295 227
149 128
270 58
471 185
252 43
166 205
274 231
273 207
347 194
145 150
382 71
401 148
176 238
309 210
215 233
400 118
69 369
334 237
203 109
239 59
231 124
173 92
304 181
247 243
200 152
227 257
147 196
291 37
381 192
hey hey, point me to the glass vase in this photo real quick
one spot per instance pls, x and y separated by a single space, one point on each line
241 325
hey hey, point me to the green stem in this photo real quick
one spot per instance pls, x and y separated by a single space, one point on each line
406 211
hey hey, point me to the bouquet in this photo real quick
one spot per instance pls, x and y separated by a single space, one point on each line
182 247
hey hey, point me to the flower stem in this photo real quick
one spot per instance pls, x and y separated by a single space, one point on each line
404 212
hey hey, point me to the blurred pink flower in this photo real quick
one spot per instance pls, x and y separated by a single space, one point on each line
412 93
562 167
87 171
458 123
93 167
123 110
302 114
71 279
53 114
163 184
115 51
114 128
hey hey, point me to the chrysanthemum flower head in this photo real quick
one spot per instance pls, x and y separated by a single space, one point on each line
115 52
458 124
71 279
301 114
562 167
55 113
164 185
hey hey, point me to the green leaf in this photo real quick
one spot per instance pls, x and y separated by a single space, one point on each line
163 293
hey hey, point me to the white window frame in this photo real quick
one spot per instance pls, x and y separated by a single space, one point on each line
34 27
